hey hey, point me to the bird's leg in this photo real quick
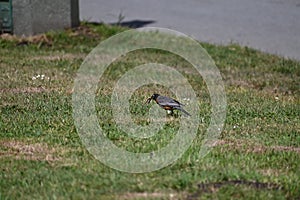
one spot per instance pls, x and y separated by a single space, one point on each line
176 114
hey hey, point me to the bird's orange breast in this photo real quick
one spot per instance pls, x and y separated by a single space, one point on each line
167 107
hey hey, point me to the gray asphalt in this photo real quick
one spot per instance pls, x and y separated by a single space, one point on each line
269 25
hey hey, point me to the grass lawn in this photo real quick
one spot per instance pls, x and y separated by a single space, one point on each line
42 156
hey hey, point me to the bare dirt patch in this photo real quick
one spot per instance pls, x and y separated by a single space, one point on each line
21 150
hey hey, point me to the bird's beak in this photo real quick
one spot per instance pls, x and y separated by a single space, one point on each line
148 101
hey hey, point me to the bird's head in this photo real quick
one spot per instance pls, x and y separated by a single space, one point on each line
153 97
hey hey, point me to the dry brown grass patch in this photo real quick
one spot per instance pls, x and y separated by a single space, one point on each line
147 195
66 56
26 90
22 150
250 146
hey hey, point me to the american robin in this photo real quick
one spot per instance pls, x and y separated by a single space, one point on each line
167 103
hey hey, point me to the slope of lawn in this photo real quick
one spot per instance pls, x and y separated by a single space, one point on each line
41 155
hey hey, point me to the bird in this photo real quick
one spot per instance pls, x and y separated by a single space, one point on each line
167 103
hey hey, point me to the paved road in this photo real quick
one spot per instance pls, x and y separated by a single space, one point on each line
269 25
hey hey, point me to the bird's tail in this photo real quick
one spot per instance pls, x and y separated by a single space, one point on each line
184 111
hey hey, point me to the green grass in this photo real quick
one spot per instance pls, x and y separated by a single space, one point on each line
41 154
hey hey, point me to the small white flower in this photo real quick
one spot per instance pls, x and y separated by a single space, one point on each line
277 98
33 78
169 112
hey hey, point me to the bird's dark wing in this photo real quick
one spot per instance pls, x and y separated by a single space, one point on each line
170 104
166 101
